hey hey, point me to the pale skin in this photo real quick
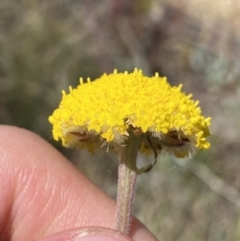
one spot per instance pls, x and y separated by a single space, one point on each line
42 193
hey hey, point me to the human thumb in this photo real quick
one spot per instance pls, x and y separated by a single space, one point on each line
88 234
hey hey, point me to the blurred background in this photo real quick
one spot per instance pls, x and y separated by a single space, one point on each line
45 46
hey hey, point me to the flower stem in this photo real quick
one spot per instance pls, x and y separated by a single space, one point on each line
126 190
127 174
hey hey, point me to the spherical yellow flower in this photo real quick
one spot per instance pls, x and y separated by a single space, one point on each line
108 109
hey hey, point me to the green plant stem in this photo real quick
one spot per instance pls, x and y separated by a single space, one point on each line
126 190
127 174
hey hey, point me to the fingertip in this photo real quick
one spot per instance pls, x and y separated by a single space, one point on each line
26 157
23 147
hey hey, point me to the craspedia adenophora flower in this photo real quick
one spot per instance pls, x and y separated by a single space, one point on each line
108 109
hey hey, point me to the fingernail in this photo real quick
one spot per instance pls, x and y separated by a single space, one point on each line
88 234
97 238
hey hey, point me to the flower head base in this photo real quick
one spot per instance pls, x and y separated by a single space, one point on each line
109 108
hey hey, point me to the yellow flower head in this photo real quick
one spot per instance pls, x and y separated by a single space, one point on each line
108 109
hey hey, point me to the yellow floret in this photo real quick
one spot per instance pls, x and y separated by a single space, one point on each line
112 104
